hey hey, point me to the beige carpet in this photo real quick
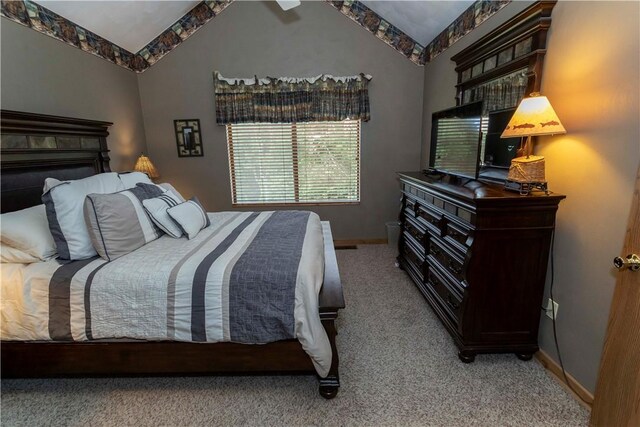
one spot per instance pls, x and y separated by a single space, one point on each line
398 367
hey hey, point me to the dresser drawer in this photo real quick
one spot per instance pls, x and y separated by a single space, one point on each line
447 260
416 231
409 212
410 204
447 298
431 218
412 254
458 236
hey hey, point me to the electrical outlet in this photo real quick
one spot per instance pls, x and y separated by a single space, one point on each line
551 310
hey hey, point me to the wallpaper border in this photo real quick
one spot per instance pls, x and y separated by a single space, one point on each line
359 13
47 22
182 29
472 17
43 20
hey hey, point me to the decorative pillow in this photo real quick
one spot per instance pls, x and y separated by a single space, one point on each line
130 179
118 223
157 210
190 216
64 202
27 230
13 255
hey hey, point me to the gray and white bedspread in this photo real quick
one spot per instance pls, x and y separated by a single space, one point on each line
251 277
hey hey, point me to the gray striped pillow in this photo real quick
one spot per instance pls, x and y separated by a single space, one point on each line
157 210
117 222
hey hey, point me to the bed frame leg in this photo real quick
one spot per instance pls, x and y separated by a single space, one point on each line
329 386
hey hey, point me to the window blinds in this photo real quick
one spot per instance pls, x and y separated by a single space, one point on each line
288 163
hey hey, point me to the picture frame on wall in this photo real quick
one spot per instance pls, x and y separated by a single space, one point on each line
188 137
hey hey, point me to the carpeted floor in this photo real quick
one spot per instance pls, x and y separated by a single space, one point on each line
398 366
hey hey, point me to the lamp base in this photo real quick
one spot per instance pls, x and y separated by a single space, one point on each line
527 169
524 188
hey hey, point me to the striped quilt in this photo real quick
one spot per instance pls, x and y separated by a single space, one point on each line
251 277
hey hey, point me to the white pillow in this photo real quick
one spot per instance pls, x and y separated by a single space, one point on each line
190 216
64 201
157 210
28 231
131 179
13 255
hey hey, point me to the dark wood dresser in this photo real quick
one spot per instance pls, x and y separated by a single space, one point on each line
479 256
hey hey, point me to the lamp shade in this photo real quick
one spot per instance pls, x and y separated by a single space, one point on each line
534 116
144 165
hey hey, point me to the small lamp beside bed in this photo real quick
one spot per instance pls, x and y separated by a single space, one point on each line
144 165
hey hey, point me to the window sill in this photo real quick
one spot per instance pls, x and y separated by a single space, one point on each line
266 205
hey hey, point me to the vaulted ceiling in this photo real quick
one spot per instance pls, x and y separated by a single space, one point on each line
420 20
129 24
133 24
136 34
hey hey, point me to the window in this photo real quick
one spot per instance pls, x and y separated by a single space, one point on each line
289 163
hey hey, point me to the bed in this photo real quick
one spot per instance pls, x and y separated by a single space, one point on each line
35 147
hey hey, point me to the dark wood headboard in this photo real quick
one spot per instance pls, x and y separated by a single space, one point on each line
37 146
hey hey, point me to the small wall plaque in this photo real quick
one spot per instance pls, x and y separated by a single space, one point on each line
188 138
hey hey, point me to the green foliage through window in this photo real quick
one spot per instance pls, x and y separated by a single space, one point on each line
281 163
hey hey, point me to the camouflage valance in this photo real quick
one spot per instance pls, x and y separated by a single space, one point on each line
290 100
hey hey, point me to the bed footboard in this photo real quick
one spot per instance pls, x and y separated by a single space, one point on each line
331 300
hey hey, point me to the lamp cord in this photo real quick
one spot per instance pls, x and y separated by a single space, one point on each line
553 320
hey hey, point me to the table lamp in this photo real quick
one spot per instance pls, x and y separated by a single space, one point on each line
533 117
144 165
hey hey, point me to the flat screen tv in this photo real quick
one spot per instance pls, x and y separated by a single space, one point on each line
455 140
497 153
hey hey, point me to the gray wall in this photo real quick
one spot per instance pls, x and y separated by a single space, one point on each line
256 38
44 75
591 76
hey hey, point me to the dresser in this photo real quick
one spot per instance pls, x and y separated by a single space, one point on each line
479 256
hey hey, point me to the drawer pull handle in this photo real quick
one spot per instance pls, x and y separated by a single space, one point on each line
452 304
455 234
455 267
